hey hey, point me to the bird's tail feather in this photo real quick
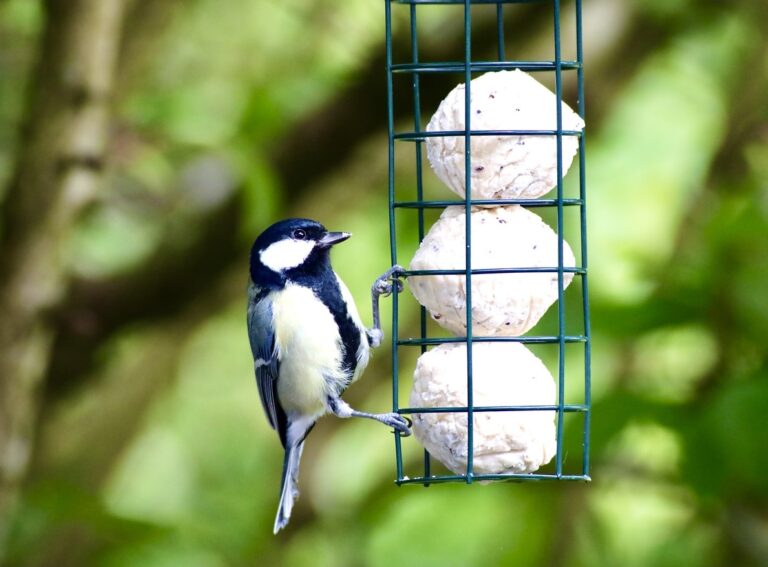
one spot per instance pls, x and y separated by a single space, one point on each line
289 490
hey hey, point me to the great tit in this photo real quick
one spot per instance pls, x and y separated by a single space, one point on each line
307 339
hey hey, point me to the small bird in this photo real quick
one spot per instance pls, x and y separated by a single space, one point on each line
307 339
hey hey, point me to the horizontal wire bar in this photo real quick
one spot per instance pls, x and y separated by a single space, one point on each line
570 408
479 477
463 2
486 202
489 271
420 136
527 340
455 67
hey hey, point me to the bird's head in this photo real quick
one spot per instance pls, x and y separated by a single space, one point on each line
290 247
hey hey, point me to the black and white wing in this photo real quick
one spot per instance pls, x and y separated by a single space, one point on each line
265 356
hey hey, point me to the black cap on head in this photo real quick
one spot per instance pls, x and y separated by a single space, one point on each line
292 247
289 228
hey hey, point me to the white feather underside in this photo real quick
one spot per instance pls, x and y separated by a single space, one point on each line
310 353
363 351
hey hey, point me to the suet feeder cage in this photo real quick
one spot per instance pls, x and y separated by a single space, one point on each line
569 340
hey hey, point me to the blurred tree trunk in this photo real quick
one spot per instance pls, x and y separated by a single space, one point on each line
59 166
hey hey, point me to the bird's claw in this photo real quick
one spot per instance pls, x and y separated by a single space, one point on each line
384 287
398 422
387 282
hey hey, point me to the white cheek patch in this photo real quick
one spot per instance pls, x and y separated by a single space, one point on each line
286 254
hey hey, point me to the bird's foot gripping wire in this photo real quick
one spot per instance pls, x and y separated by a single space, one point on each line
342 409
396 421
385 285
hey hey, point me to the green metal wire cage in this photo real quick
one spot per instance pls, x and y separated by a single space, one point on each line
566 465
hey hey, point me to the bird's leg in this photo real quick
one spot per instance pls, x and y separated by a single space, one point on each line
384 285
342 409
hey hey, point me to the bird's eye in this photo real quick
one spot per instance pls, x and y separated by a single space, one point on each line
299 234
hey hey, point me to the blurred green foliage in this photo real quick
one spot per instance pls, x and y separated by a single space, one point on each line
162 456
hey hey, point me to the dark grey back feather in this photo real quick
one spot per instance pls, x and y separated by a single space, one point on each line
265 354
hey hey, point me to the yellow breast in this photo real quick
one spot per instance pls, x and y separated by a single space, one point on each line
309 350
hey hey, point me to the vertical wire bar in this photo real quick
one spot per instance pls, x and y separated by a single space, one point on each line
500 31
392 233
419 183
583 222
395 387
390 134
468 229
560 286
417 143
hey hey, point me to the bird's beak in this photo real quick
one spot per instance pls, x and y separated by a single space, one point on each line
331 238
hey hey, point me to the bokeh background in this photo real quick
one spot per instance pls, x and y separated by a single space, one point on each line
144 144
